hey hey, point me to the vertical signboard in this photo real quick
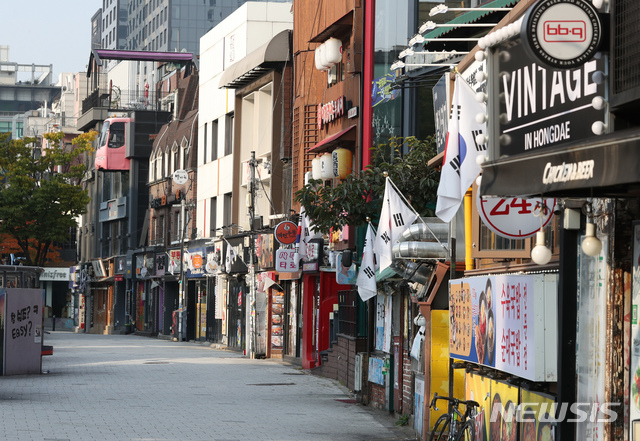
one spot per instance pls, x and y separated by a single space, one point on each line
591 342
23 331
634 407
441 111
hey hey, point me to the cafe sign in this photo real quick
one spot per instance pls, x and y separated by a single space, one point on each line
506 322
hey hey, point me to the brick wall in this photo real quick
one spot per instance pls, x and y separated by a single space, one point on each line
377 396
340 363
407 384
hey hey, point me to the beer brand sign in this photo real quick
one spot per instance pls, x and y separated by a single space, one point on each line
330 111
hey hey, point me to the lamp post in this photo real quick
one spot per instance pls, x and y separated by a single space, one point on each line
180 177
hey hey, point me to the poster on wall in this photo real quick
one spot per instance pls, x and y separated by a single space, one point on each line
478 388
537 412
497 321
418 404
503 424
634 407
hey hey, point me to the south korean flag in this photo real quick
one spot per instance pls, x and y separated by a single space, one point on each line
396 216
366 281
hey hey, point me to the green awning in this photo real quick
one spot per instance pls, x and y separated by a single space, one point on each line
471 17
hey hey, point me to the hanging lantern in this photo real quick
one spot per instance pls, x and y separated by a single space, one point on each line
326 166
320 57
342 162
333 51
316 170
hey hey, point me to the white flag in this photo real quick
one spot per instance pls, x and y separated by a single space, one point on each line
459 167
231 255
396 216
366 281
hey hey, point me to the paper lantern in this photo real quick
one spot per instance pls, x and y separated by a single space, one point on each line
342 162
320 58
326 166
333 51
316 170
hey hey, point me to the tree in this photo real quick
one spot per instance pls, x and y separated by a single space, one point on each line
40 196
359 196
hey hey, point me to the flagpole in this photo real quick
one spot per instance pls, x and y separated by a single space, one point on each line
417 214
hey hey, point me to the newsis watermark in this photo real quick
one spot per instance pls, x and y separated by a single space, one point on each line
556 413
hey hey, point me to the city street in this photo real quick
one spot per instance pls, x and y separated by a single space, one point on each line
117 387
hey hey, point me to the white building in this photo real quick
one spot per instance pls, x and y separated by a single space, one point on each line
247 29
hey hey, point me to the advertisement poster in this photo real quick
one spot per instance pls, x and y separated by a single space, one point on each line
634 408
536 406
503 425
277 318
492 322
380 322
479 389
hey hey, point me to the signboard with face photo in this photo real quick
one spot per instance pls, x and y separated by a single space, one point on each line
495 321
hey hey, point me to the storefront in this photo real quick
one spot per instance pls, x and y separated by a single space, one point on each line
554 132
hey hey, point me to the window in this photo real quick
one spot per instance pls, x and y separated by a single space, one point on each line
204 146
226 210
213 213
214 140
176 157
228 134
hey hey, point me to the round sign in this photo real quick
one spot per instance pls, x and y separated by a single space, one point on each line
180 177
286 232
515 218
562 33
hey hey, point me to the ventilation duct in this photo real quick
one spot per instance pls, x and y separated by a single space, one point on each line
419 250
423 232
413 271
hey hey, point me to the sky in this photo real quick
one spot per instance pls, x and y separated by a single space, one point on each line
45 32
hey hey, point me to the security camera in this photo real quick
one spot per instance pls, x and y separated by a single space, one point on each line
558 208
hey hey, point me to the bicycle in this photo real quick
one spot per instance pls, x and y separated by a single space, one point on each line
455 425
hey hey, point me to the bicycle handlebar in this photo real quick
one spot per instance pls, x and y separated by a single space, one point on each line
456 402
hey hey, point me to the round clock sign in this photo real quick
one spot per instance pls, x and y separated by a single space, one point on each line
562 33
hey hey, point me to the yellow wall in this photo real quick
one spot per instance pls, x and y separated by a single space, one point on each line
440 365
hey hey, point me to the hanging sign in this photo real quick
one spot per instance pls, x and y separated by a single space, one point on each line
515 218
562 33
286 232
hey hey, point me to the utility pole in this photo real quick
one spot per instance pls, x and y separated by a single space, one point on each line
252 271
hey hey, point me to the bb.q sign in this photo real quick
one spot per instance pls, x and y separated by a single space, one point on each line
515 218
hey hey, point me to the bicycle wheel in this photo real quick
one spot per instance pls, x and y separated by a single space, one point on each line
467 432
440 431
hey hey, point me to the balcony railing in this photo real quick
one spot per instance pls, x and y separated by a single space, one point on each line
116 99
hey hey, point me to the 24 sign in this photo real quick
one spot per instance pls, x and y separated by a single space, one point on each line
515 218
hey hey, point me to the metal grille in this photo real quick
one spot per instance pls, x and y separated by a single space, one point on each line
348 312
626 47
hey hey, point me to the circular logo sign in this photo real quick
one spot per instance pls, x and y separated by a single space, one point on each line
562 33
286 232
515 218
180 177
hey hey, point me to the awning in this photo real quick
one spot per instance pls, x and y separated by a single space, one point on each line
472 17
258 62
347 134
600 166
339 28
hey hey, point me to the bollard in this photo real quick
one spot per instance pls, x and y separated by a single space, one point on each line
54 323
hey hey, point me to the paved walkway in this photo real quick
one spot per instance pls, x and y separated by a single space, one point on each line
115 387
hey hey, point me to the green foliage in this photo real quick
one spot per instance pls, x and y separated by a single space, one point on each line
40 196
359 196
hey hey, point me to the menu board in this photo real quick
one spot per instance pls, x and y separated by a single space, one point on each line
506 322
537 416
277 317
